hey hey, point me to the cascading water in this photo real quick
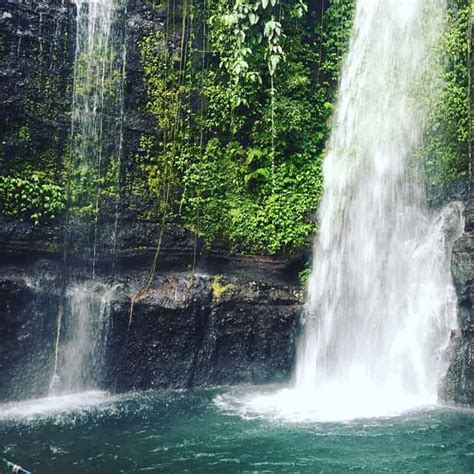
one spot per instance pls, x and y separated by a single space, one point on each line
381 303
88 305
94 167
96 131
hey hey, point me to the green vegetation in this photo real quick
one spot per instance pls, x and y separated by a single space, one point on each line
304 275
218 289
243 105
449 140
31 196
242 93
32 140
34 133
24 134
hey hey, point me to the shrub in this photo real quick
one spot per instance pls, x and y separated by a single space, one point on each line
31 197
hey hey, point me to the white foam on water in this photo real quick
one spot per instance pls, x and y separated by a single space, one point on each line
332 402
46 407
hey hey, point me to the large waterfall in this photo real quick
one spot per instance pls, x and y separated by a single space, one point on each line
381 303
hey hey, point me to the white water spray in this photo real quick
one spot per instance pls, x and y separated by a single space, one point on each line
83 350
381 303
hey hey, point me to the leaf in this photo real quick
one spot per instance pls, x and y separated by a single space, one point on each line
269 26
260 174
254 153
264 4
274 60
253 18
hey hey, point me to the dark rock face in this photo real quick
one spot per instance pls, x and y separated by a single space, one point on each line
142 20
27 328
463 269
187 331
459 384
20 241
185 334
207 318
36 61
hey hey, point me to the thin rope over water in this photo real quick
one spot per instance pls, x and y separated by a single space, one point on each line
15 467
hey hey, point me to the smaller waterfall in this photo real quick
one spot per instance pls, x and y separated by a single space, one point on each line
96 130
93 193
87 318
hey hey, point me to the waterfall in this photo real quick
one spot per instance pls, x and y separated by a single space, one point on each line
93 193
381 303
96 128
86 330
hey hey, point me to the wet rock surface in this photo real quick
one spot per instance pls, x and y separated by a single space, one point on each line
186 331
27 328
208 317
459 383
463 269
36 61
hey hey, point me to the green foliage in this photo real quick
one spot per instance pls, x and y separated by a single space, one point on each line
33 142
450 125
31 197
46 97
243 112
161 67
24 134
218 289
304 275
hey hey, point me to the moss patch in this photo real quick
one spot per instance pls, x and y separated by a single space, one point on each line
218 288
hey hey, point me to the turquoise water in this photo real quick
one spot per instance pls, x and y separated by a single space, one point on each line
181 431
